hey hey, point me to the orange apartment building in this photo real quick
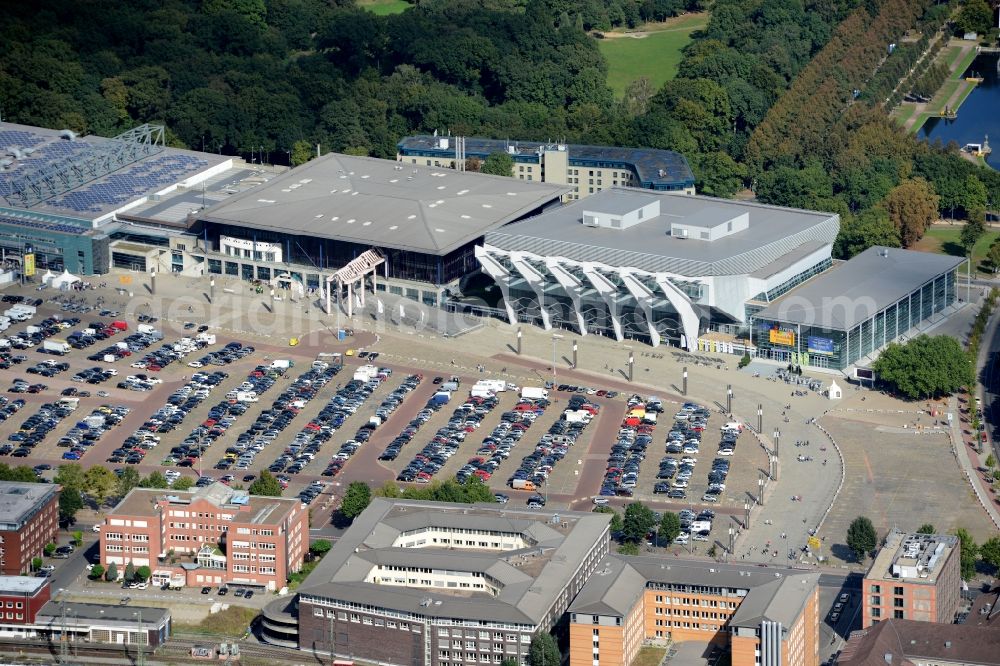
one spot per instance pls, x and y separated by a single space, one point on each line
913 577
764 616
207 536
29 519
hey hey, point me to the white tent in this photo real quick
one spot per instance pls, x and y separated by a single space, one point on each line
834 392
63 281
48 277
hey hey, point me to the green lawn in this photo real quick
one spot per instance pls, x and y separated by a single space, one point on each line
945 240
649 656
385 7
655 56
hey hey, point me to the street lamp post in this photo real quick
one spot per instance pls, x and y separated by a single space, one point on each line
760 489
746 518
140 658
574 354
732 541
760 417
685 379
777 437
555 337
519 340
152 282
729 399
631 363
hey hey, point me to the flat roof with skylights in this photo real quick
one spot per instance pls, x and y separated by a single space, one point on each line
469 561
381 202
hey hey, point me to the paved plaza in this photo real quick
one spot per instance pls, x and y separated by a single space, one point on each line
794 505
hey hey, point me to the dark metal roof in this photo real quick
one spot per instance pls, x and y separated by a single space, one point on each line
655 168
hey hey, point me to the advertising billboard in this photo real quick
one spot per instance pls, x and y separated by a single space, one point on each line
29 264
816 345
779 337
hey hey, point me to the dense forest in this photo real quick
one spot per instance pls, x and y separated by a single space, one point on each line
763 97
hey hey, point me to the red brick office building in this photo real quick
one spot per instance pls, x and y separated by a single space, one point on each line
208 536
29 519
21 597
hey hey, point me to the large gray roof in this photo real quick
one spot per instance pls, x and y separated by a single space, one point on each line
772 233
530 580
859 288
384 203
772 593
20 501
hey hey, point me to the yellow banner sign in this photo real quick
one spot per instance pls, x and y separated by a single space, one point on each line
778 337
29 265
125 279
813 543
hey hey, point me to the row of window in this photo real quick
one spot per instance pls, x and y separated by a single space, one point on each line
179 513
115 548
679 612
471 656
243 568
688 601
481 635
113 536
898 590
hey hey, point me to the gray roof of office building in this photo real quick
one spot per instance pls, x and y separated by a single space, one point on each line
76 610
773 593
773 232
21 584
17 500
523 598
859 288
384 203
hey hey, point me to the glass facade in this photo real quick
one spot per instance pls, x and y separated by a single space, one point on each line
838 348
329 254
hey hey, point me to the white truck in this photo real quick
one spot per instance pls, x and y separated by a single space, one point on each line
365 373
56 346
206 338
31 330
495 385
246 396
577 416
281 364
478 391
145 328
534 393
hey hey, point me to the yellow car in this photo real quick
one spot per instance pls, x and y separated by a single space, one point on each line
293 342
349 352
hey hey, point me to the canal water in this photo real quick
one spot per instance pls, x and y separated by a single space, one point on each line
979 114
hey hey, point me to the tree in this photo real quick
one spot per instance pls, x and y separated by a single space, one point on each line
976 16
70 475
912 206
861 537
155 480
972 231
49 549
70 503
860 232
498 164
265 485
21 474
925 367
356 499
183 483
78 538
543 650
36 563
302 152
112 573
993 256
101 483
320 547
628 548
638 521
990 552
969 553
926 528
510 661
991 461
670 527
129 572
143 573
96 572
127 480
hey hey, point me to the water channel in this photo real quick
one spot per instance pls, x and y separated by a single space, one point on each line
979 114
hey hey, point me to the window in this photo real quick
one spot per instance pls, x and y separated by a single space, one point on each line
898 614
897 602
898 591
876 589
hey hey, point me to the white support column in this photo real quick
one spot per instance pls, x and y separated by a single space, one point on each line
572 287
537 283
644 297
350 299
607 292
500 276
685 309
375 280
361 286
